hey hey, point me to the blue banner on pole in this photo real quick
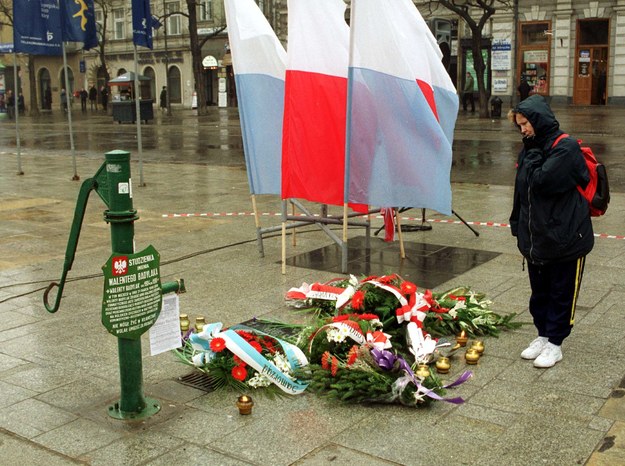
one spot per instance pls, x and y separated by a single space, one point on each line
37 27
141 23
78 22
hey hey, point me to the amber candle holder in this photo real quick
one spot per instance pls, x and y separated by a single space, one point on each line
245 404
199 323
462 338
478 345
423 371
472 356
443 365
184 322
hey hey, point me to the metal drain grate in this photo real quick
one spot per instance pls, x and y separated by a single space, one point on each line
198 380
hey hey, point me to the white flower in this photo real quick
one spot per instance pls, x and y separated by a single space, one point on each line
282 363
459 305
453 313
259 380
203 358
336 335
421 345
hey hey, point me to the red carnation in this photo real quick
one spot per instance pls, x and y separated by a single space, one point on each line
324 360
358 300
408 288
239 373
340 318
335 366
239 361
218 344
352 355
368 316
269 345
254 344
246 335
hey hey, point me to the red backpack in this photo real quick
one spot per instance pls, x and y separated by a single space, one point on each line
597 193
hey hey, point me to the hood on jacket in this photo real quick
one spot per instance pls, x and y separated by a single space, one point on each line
536 109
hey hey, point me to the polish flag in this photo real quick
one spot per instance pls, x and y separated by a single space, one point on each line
313 141
403 109
259 62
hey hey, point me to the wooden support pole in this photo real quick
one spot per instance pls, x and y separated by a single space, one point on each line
402 251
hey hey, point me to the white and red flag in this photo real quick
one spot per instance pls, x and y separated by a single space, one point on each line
259 61
402 111
313 141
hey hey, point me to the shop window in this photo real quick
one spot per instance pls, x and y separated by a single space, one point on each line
534 56
534 67
534 34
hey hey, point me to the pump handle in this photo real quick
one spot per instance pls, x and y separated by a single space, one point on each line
81 206
58 297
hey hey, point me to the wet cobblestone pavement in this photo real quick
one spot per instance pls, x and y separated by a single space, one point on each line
59 372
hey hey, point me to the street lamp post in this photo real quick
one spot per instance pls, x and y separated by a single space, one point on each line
167 94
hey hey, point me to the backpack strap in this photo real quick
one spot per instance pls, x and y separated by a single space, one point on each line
558 139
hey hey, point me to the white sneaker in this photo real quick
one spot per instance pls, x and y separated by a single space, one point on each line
549 356
534 349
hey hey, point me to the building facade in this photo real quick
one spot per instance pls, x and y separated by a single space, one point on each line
571 51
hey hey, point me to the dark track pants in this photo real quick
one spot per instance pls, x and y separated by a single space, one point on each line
555 288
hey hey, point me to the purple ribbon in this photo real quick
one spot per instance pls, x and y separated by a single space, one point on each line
386 361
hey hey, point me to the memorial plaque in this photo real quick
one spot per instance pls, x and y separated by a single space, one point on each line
132 296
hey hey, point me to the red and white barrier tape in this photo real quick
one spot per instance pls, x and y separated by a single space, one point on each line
413 219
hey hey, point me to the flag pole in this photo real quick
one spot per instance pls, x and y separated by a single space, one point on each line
138 117
284 218
68 96
348 131
402 251
16 108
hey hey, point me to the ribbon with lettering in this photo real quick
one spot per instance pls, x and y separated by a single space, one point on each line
247 353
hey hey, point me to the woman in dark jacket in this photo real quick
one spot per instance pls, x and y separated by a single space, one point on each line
551 221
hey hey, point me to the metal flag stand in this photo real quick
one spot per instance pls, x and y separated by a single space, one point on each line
423 226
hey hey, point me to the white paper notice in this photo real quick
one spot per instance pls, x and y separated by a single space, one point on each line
165 333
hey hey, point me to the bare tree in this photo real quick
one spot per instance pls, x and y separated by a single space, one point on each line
105 7
464 9
6 9
196 44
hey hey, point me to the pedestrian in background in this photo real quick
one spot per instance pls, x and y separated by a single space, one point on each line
551 221
104 95
84 95
21 104
93 98
524 89
10 104
64 100
163 98
467 93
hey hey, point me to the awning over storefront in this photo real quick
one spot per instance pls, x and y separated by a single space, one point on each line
126 79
